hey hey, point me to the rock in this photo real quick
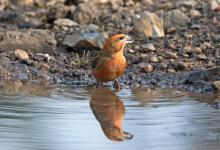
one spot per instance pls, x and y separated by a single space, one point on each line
132 59
56 11
45 67
153 59
145 67
85 40
207 44
175 18
39 3
72 8
218 62
4 4
160 58
29 62
130 51
127 3
217 52
38 58
189 36
196 26
215 20
184 50
196 50
41 57
194 13
214 5
187 3
35 40
32 22
137 47
148 2
9 16
25 2
164 65
201 57
90 28
105 1
149 25
65 22
148 47
166 5
144 57
48 57
170 55
5 74
53 2
181 66
217 38
171 71
186 55
216 84
160 66
148 68
171 30
205 75
21 55
5 59
85 12
210 64
172 60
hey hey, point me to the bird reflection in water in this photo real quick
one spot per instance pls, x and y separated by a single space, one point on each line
109 110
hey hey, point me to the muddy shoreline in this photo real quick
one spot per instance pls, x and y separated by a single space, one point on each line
186 57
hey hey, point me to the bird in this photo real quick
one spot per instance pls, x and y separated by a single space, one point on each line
110 62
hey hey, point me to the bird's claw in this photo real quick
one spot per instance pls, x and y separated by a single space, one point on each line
117 85
98 84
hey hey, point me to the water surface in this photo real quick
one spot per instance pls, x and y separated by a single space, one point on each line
38 117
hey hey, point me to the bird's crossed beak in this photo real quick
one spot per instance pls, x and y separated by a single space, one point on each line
128 39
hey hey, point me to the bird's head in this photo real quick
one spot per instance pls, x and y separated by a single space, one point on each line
117 43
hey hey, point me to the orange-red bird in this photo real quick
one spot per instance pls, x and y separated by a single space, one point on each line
110 63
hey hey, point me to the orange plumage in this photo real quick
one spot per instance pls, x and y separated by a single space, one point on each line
110 63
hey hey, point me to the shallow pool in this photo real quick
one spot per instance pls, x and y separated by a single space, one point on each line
37 117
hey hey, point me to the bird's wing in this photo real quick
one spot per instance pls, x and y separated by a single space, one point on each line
95 62
100 60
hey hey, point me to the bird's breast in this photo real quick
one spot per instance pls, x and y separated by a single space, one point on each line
119 65
112 69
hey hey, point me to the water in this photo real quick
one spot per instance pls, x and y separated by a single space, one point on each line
38 117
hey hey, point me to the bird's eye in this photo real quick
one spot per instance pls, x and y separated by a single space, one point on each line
121 38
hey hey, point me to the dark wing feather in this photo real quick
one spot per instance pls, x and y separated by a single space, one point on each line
99 60
95 62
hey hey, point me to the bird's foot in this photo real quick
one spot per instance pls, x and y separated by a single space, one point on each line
98 84
117 85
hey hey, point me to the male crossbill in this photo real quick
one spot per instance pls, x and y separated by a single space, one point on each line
110 63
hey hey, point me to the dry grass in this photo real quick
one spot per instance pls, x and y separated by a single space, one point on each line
80 60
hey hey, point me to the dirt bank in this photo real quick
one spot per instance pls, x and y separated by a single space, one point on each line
179 47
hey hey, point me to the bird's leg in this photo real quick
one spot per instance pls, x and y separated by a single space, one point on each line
98 84
145 39
117 84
